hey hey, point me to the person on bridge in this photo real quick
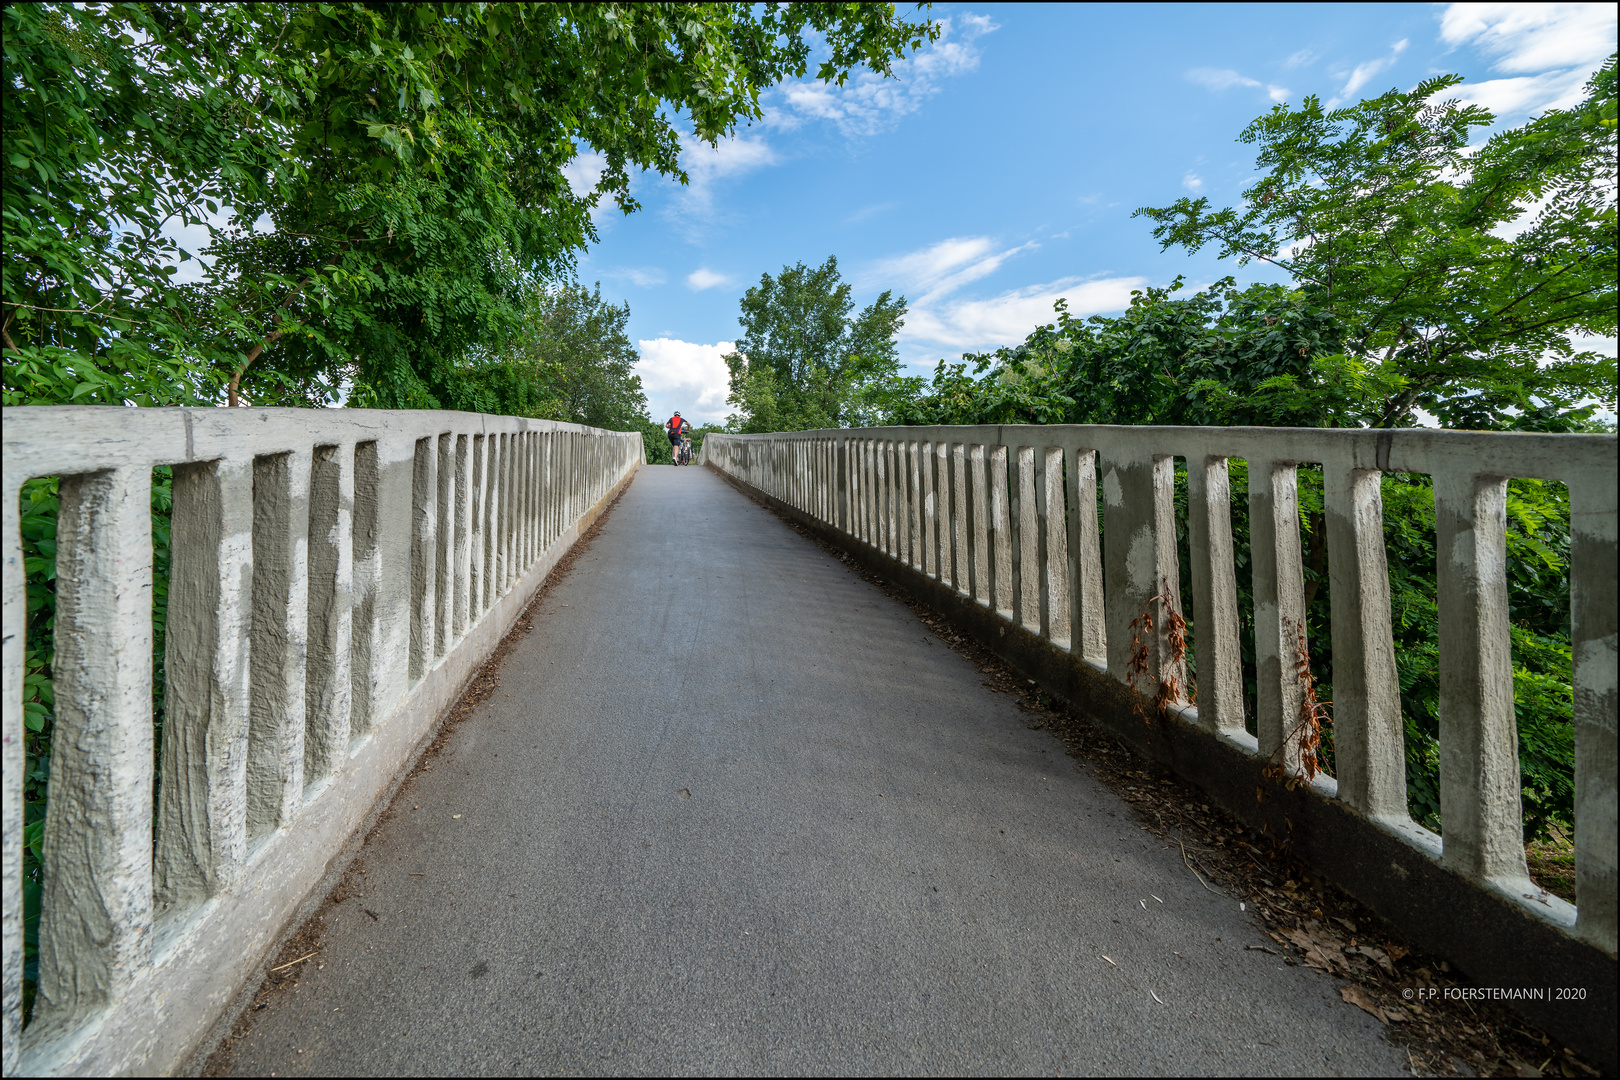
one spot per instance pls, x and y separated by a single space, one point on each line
676 428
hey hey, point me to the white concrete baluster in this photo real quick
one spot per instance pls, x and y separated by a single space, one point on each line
883 498
931 561
1369 738
1593 637
1215 606
444 549
1054 549
962 577
478 528
202 834
1139 563
279 647
461 567
367 651
1279 608
328 687
1479 749
1027 578
424 548
979 535
508 510
1085 565
994 566
95 929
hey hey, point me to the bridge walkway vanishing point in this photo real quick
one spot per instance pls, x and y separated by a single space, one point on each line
733 810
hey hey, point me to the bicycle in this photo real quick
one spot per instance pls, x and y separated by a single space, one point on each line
683 454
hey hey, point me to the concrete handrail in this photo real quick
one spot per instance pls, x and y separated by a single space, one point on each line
336 577
999 515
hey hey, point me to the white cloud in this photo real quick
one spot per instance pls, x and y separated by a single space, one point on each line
1299 59
1533 37
929 276
1365 71
1547 50
1527 93
644 277
869 103
704 278
934 271
1219 78
584 172
685 375
1193 182
707 165
1008 318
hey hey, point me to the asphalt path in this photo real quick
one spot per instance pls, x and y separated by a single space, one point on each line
733 810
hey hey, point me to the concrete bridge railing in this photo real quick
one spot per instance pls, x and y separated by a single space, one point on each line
336 577
1000 526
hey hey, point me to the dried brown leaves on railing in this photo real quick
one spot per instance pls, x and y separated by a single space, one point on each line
1305 734
1169 690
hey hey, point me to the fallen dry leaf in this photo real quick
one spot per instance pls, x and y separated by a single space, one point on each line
1354 995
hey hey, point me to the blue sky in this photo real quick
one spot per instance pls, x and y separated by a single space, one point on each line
1000 169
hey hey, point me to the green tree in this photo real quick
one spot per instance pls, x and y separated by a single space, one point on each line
1457 273
389 175
805 361
567 358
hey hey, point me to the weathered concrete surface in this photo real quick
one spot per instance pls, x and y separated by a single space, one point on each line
734 810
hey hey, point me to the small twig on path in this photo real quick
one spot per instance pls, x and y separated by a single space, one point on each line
1189 866
300 960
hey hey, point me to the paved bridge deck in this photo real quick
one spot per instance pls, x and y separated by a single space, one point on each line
732 810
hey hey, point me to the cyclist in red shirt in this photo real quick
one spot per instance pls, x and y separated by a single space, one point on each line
676 428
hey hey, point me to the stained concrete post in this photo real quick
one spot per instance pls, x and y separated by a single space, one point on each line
280 618
1593 640
841 472
202 835
95 929
13 760
424 551
1054 517
930 511
1479 751
461 569
1086 608
902 502
365 628
503 533
478 499
883 498
1028 579
444 547
1369 738
1139 563
1215 605
1279 608
328 693
914 497
996 568
490 579
961 577
869 494
979 535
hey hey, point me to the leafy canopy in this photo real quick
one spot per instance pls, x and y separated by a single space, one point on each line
378 181
1457 273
